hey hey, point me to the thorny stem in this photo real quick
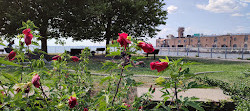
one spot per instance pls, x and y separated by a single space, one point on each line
117 88
41 88
176 96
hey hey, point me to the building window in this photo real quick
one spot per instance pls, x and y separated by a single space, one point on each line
179 41
224 39
191 40
215 39
224 45
235 38
245 45
185 41
246 38
214 45
234 46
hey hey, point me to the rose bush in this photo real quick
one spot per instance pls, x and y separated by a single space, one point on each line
64 86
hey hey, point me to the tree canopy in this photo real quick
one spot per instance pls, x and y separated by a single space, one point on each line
95 20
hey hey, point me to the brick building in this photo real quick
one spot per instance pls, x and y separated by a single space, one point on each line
230 40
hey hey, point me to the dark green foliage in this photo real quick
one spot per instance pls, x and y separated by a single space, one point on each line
96 20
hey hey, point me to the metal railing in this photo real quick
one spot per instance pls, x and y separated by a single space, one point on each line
208 52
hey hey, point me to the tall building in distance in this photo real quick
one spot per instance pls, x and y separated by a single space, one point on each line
181 32
199 40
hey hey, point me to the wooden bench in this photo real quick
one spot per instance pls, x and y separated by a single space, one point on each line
74 52
8 50
155 52
100 49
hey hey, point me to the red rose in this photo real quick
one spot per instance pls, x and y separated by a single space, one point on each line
74 58
72 102
2 93
11 55
127 105
141 107
56 57
112 42
28 36
123 40
160 66
148 48
85 109
35 81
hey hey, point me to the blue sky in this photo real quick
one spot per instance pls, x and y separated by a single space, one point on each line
200 16
197 16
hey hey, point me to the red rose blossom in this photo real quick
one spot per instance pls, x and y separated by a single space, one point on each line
72 102
127 105
160 66
141 107
28 36
74 58
123 40
56 57
11 55
148 48
35 81
85 109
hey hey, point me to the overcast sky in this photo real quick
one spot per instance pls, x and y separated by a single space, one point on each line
197 16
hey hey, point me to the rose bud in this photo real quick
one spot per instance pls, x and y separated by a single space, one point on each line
74 58
85 109
127 105
18 90
11 55
35 81
56 57
28 36
72 102
141 107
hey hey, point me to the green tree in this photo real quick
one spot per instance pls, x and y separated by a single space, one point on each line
55 19
95 20
136 17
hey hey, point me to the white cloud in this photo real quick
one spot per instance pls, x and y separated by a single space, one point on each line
172 9
242 29
237 15
248 14
223 6
245 1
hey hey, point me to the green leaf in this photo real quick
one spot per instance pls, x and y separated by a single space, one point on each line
10 77
165 60
127 66
116 53
195 105
105 79
2 44
9 63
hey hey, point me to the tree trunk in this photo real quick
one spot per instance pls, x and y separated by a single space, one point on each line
108 33
44 38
